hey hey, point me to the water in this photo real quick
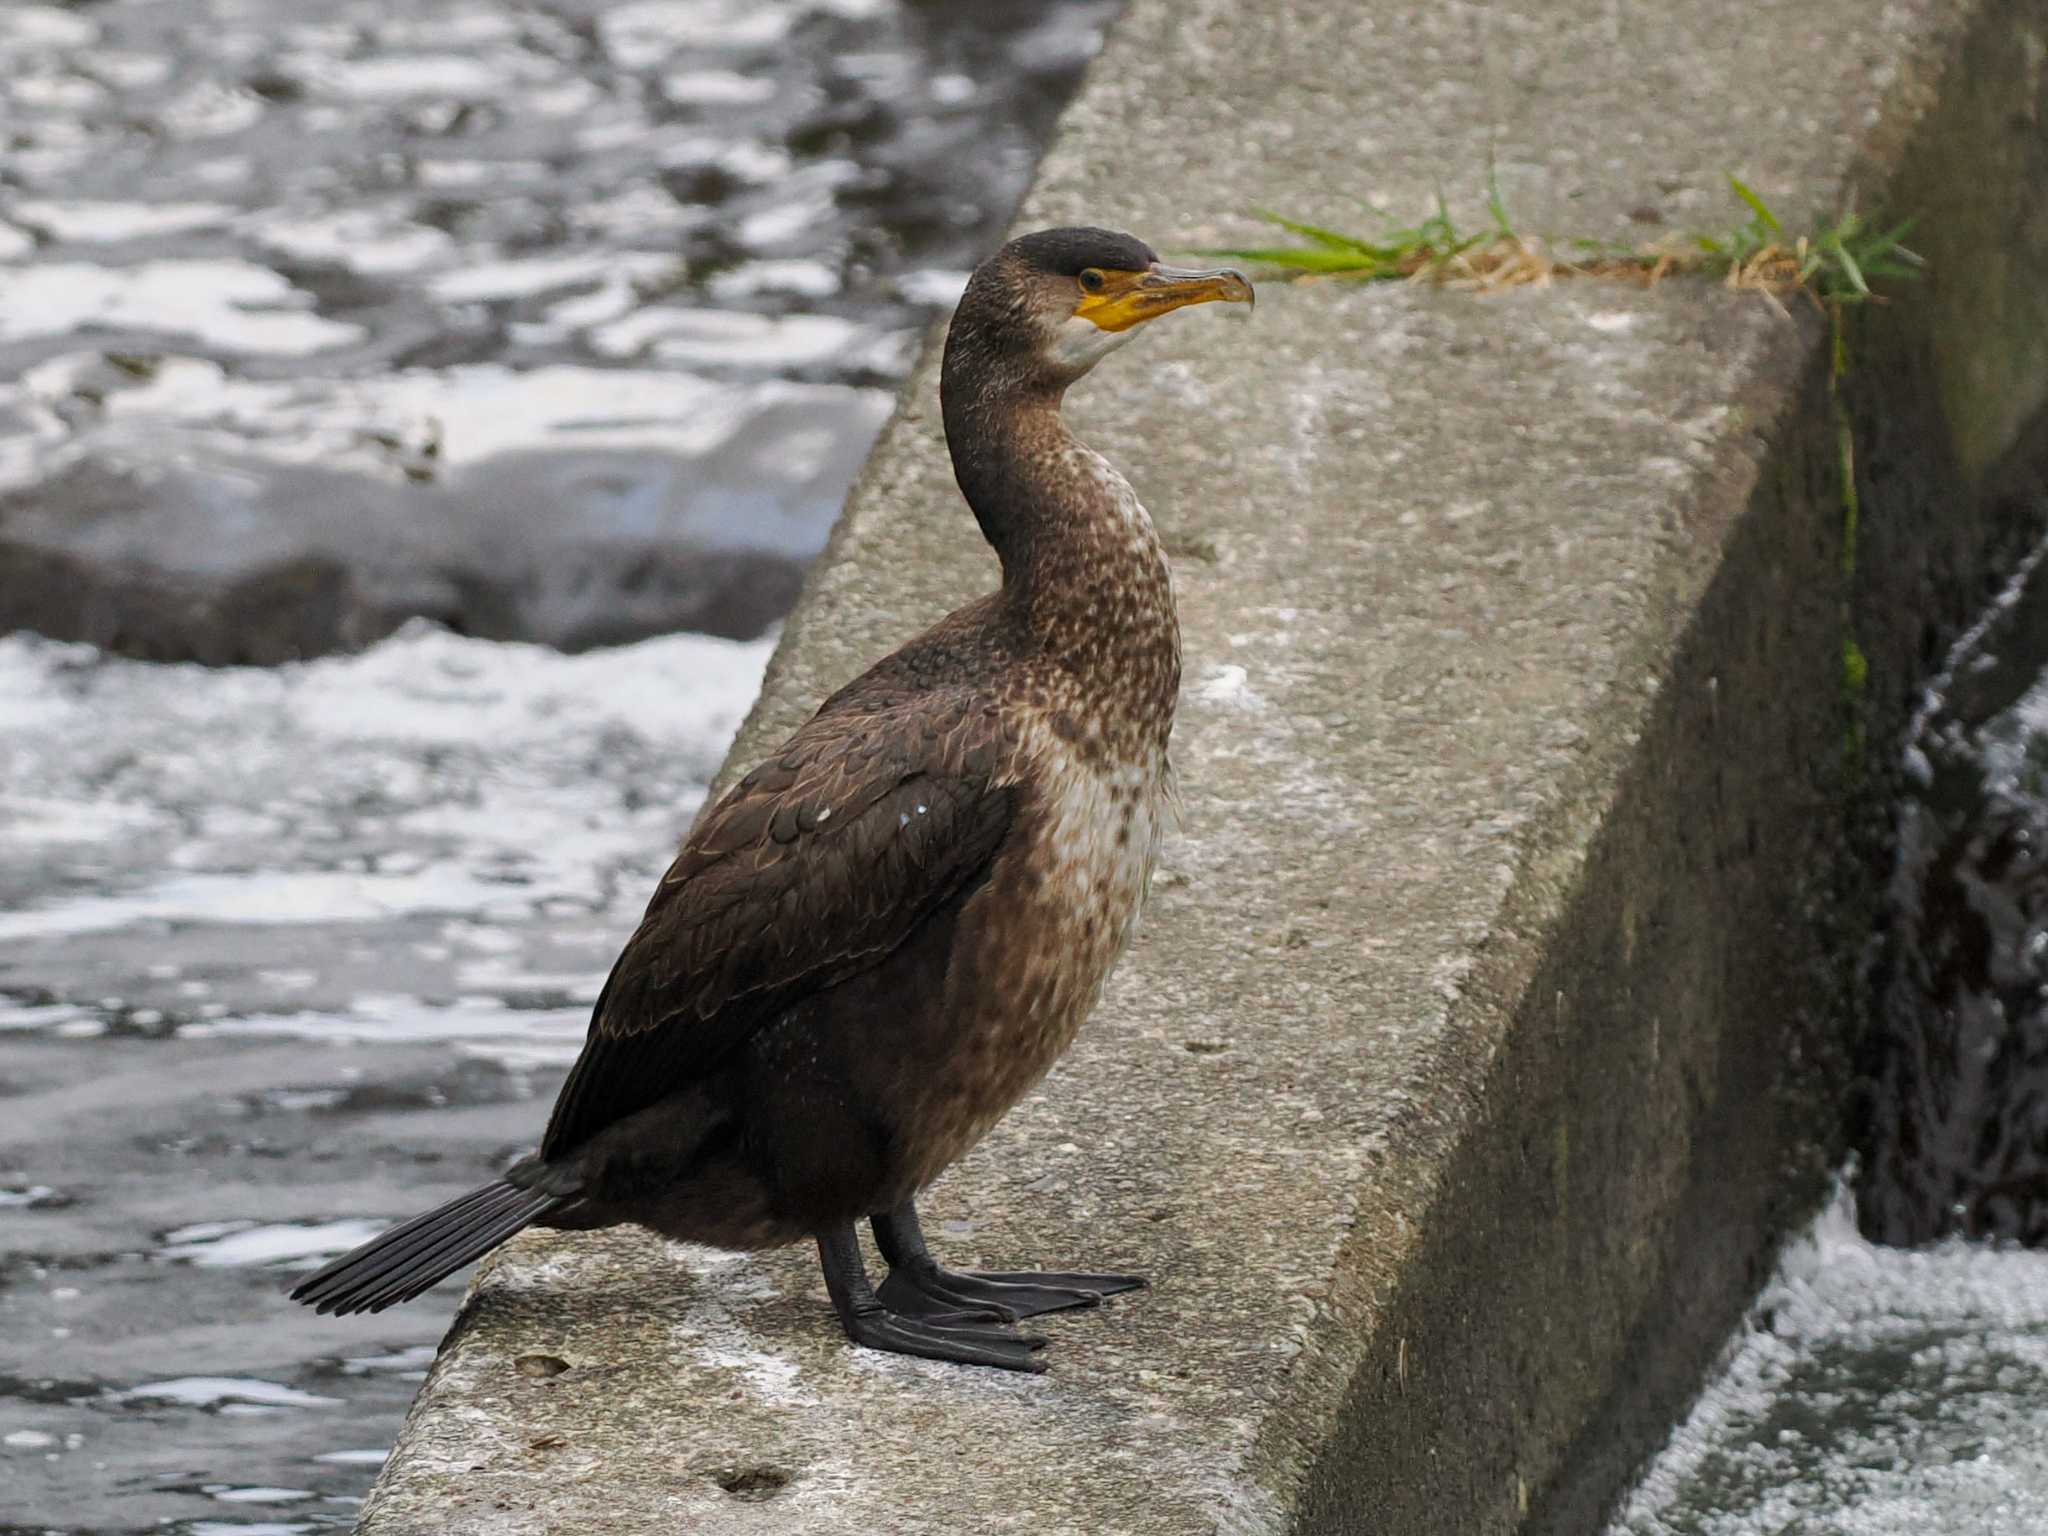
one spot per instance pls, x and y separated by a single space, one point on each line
565 320
288 954
1900 1390
511 294
1957 1140
1873 1391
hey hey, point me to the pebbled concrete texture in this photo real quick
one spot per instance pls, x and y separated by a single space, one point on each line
1489 1019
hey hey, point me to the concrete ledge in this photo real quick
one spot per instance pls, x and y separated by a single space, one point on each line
1489 1020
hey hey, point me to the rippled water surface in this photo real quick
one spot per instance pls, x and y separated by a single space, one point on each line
479 304
286 954
555 319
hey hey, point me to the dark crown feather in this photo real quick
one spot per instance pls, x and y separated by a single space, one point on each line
1068 252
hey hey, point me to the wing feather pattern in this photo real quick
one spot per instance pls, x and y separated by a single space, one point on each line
814 867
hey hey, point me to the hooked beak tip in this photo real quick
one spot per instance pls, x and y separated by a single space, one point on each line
1182 285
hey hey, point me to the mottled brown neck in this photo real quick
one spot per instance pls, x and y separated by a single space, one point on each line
1084 574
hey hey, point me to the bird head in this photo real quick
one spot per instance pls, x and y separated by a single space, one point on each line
1048 306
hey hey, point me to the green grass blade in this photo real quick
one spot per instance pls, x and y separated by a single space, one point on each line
1836 264
1497 205
1757 206
1315 233
1301 258
1883 246
1849 268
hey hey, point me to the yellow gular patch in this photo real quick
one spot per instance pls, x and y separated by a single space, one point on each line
1127 298
1113 308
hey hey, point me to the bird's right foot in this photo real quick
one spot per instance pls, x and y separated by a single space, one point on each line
966 1338
917 1286
966 1345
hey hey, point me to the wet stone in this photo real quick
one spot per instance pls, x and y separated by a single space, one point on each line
572 549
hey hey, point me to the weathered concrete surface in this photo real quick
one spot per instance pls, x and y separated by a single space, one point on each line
1485 1027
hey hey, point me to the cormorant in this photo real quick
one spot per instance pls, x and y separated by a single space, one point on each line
886 933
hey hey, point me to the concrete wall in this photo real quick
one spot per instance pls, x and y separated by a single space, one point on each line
1490 1018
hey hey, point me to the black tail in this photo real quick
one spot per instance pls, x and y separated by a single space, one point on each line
418 1254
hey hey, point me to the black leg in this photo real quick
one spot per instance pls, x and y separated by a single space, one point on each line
918 1287
868 1322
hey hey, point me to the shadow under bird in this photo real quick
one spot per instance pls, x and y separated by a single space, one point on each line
885 934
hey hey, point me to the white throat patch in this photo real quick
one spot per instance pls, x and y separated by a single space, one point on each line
1081 343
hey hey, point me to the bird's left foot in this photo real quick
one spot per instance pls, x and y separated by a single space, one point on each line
918 1287
1004 1296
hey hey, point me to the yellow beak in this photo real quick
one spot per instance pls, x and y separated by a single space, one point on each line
1127 298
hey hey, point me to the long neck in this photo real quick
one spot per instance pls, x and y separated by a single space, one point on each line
1084 573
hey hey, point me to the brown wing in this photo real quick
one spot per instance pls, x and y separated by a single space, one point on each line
813 868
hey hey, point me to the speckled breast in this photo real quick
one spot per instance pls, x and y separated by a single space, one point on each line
1041 938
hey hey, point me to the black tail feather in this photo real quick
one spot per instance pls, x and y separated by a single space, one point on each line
418 1254
428 1268
411 1237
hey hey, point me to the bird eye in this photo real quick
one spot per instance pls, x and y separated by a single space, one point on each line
1091 280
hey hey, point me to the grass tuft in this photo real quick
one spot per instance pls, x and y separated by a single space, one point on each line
1833 266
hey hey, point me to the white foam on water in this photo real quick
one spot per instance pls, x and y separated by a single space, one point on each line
1872 1392
366 240
219 1391
717 87
398 76
365 1457
481 1027
724 338
57 93
470 414
297 897
933 286
259 1496
430 773
412 1361
44 26
37 1016
54 820
647 32
806 279
210 110
235 1244
90 221
234 305
515 278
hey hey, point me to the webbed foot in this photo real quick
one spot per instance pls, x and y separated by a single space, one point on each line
967 1338
1000 1295
998 1347
918 1286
